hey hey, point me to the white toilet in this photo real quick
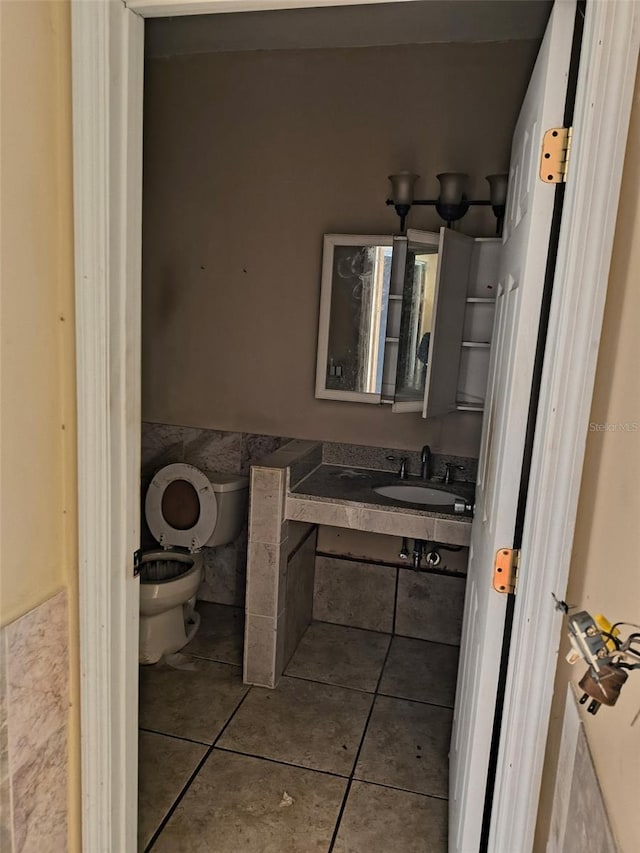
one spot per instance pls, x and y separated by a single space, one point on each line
185 510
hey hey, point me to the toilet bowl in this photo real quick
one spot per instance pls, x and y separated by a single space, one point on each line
185 510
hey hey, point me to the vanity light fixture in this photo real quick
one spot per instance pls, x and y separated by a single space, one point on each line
452 203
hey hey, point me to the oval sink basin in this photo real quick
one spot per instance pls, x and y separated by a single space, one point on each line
417 495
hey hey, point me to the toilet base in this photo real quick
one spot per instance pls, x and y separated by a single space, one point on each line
167 632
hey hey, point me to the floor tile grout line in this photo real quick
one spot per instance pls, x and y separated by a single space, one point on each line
343 805
402 790
384 665
423 640
210 660
385 633
165 820
395 602
310 680
353 627
417 701
185 788
281 762
347 790
359 750
174 737
202 656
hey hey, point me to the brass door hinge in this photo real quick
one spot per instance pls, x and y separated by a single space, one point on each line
556 150
505 570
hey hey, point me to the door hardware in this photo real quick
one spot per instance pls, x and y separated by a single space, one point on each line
505 570
554 160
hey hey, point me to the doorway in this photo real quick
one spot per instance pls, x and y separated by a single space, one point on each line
103 515
257 119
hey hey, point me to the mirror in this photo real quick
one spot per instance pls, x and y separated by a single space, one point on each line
420 266
356 276
376 315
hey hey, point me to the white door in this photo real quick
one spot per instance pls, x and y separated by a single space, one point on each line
522 272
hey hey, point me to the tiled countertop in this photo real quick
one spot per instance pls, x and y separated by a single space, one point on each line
340 496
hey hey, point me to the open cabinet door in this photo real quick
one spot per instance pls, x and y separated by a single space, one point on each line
414 276
454 262
523 264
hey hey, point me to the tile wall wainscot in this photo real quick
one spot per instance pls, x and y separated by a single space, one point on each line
34 710
579 820
209 450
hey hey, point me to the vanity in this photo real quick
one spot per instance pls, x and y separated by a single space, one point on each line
351 497
304 485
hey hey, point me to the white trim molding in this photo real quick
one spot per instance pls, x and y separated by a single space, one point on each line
108 53
167 8
603 106
107 56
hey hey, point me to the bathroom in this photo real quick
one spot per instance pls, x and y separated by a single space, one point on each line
262 134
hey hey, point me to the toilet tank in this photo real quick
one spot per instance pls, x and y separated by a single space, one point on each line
232 493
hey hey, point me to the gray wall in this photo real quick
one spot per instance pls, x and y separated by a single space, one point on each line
249 159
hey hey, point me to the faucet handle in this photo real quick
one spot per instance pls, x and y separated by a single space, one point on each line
425 461
402 473
450 467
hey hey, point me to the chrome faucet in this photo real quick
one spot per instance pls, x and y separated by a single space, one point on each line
425 459
402 473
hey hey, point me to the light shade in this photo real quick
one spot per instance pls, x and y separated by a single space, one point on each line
452 187
498 189
402 186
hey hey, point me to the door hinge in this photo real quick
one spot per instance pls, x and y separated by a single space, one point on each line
556 150
505 570
137 562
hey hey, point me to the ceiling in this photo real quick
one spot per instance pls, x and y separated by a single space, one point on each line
417 22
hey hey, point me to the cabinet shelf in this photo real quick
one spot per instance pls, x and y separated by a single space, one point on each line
488 300
470 407
480 344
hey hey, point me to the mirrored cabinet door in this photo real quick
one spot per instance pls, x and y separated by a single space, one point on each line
449 305
416 268
356 277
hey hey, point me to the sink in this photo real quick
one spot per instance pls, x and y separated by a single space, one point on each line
418 494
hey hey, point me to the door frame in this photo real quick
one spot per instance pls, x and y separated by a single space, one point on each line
107 75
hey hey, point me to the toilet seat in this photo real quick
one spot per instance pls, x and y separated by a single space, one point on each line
194 537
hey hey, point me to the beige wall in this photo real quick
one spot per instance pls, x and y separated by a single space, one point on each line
605 577
249 159
38 553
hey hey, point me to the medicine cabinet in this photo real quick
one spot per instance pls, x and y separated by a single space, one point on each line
407 320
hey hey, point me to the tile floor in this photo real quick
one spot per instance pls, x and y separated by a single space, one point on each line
347 755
